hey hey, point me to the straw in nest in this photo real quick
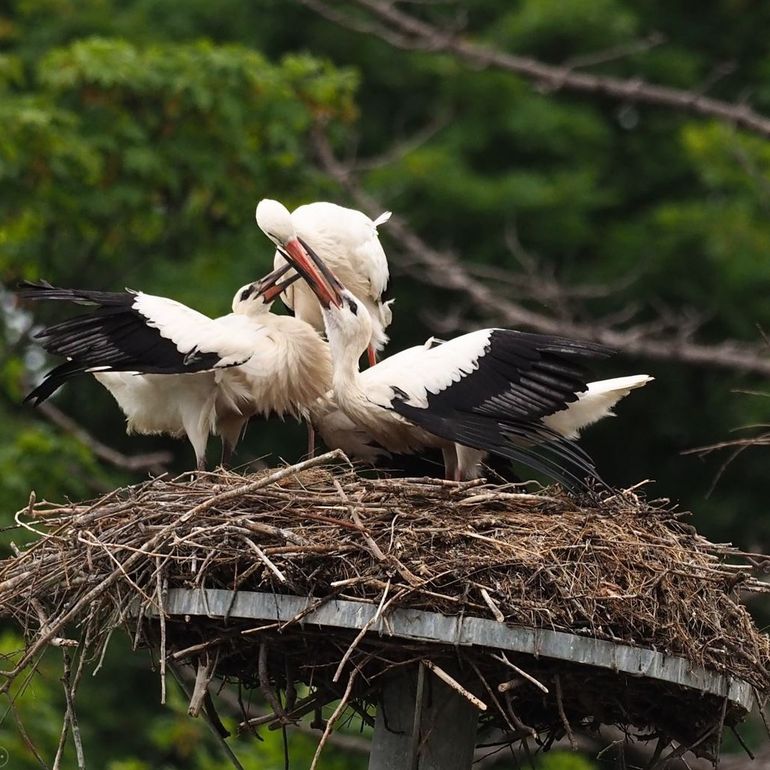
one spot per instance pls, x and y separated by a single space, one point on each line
612 567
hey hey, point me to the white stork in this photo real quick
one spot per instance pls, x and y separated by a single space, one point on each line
175 371
493 390
347 241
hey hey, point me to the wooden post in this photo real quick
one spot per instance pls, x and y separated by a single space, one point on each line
422 724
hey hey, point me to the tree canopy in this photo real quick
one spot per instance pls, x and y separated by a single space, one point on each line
138 136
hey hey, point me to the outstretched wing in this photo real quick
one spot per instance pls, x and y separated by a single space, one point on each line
130 331
490 390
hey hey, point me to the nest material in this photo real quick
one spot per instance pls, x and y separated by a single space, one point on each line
615 568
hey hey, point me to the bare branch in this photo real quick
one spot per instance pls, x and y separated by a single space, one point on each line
736 446
357 25
403 147
402 30
154 462
616 52
445 270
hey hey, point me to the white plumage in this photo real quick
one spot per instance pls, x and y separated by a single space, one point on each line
374 429
492 390
347 240
175 371
594 404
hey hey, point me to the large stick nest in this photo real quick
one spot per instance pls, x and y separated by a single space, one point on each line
609 565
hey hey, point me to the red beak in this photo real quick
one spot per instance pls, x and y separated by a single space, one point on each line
321 280
270 286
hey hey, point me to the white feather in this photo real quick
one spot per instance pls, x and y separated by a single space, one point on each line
594 404
267 364
190 330
425 369
347 241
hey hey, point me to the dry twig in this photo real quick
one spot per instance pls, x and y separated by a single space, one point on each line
455 685
614 566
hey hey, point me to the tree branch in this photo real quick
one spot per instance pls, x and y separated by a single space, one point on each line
402 30
154 462
616 52
443 269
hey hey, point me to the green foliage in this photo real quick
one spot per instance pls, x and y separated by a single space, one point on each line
59 465
121 153
36 704
137 137
562 760
557 30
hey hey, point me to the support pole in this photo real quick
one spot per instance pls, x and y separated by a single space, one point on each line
422 724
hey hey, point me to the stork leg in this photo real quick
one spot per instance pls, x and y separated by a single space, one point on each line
450 462
197 435
230 429
372 355
310 439
198 442
227 453
469 462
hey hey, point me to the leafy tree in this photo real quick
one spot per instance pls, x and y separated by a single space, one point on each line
138 136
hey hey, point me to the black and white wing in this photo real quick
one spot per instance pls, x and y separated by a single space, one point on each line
491 389
130 332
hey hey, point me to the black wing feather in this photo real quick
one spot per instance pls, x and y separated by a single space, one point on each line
499 406
531 444
522 376
44 290
112 337
53 381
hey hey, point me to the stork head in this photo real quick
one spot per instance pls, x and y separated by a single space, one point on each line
257 297
348 325
249 301
264 291
275 222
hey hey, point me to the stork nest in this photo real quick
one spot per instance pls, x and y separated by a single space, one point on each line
608 565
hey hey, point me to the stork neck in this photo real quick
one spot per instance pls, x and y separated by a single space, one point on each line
346 373
348 333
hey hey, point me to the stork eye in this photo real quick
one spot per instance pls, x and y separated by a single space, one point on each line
353 307
246 293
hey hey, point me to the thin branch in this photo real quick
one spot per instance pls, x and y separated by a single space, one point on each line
503 658
334 717
454 684
403 147
71 716
179 678
444 270
563 714
154 462
622 51
357 25
4 756
402 30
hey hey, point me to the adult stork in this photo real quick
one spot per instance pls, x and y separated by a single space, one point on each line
175 371
339 431
347 241
493 390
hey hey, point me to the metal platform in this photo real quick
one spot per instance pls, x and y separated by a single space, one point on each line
461 631
439 734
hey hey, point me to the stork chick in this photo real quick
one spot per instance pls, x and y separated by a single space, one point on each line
178 372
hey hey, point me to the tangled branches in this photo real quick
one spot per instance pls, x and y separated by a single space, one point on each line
614 568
